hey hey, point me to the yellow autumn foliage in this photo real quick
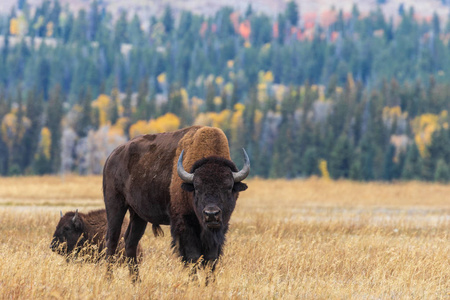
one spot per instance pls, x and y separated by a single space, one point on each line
324 169
217 101
49 28
9 128
204 119
139 128
424 126
257 120
102 103
350 81
262 92
196 104
45 142
14 26
184 97
219 80
220 120
229 88
237 122
268 77
168 122
391 114
115 98
161 78
279 92
115 130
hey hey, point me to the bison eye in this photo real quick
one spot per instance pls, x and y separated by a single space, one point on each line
66 228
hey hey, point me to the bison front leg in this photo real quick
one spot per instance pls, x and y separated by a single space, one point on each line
115 213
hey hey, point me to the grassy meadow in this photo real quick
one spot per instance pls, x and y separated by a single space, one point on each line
299 239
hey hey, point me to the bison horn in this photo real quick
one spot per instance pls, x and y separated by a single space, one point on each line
76 216
242 174
185 176
60 213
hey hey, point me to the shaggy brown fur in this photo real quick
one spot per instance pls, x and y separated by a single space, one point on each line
72 234
141 177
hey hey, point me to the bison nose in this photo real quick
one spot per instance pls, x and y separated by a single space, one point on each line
212 214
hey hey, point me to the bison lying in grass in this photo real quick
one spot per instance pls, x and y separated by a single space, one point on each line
82 236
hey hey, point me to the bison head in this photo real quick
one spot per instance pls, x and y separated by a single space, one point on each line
68 234
215 183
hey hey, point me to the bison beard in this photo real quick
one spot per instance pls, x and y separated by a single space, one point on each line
146 177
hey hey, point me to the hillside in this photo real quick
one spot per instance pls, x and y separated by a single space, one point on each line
146 9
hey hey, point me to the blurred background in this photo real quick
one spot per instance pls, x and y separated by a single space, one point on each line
347 89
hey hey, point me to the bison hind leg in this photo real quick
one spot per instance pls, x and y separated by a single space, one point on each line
157 230
135 231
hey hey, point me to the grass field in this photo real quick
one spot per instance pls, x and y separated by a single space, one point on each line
300 239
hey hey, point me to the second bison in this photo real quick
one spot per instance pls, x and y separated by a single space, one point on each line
80 235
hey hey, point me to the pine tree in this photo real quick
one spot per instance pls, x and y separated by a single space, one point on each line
4 155
292 12
411 169
389 167
167 19
310 162
16 165
210 95
54 117
114 106
34 112
341 158
442 173
84 123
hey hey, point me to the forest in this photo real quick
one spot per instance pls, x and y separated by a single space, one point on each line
350 95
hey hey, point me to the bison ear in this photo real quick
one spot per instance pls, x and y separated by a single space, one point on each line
188 187
239 187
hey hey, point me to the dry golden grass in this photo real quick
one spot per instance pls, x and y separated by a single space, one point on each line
308 239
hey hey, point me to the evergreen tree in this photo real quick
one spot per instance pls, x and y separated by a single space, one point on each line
341 158
292 12
442 173
54 117
389 167
210 95
34 113
167 19
16 164
411 170
4 109
114 106
310 162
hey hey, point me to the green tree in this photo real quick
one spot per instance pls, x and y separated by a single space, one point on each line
411 169
341 158
442 173
34 113
210 95
84 124
167 19
54 117
292 12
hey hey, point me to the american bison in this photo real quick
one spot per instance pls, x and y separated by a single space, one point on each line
147 177
78 234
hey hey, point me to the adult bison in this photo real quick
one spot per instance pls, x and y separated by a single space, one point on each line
83 235
146 177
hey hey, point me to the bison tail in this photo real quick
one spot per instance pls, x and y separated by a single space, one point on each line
157 230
